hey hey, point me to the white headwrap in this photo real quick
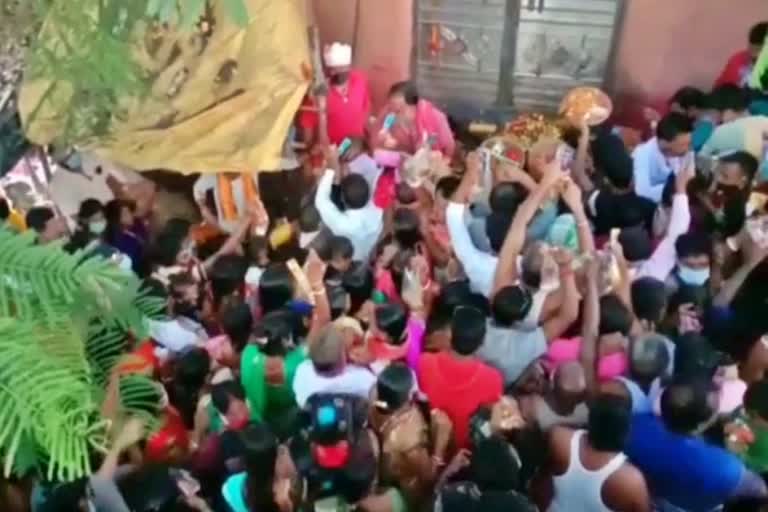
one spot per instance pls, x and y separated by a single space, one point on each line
337 55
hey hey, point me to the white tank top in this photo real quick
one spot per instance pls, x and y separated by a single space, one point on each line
579 489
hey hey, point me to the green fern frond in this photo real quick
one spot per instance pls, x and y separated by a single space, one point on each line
37 281
64 323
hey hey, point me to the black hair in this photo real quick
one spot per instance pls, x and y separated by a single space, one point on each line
673 125
394 386
636 243
510 305
5 210
355 192
112 212
447 186
468 330
151 488
309 218
684 405
619 172
190 372
649 299
408 91
493 466
496 228
358 282
223 392
169 242
757 33
695 358
261 448
689 97
276 287
608 149
237 323
63 496
227 276
756 399
506 197
746 162
37 218
730 97
406 228
609 422
615 317
277 327
88 208
392 319
341 247
693 244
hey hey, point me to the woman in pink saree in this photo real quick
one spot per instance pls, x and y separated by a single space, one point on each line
416 122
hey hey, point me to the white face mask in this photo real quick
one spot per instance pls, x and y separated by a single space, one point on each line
97 227
693 276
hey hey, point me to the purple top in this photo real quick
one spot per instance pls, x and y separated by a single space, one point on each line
416 328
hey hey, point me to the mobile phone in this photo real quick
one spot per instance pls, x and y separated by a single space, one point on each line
344 146
431 140
565 155
389 122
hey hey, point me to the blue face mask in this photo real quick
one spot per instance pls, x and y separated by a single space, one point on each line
693 276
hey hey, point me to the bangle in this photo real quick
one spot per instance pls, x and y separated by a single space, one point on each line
318 291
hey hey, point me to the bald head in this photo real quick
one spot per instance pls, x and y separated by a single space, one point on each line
649 357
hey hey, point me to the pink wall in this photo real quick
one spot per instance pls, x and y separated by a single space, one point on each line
383 46
664 45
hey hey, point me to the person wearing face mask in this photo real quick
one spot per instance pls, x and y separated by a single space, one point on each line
730 189
90 226
636 243
182 329
694 252
345 108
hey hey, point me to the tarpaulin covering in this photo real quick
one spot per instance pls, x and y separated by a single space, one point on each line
222 99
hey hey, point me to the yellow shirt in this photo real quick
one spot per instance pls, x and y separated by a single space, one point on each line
16 221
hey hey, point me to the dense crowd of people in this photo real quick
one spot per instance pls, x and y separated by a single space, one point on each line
580 334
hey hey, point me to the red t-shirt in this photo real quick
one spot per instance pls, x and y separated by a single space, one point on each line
736 69
458 387
347 114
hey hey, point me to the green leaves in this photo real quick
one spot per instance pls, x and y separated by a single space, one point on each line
188 11
65 321
238 11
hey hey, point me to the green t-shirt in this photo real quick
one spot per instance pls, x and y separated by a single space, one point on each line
268 381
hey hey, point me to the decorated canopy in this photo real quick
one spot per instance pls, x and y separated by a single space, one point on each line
222 96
